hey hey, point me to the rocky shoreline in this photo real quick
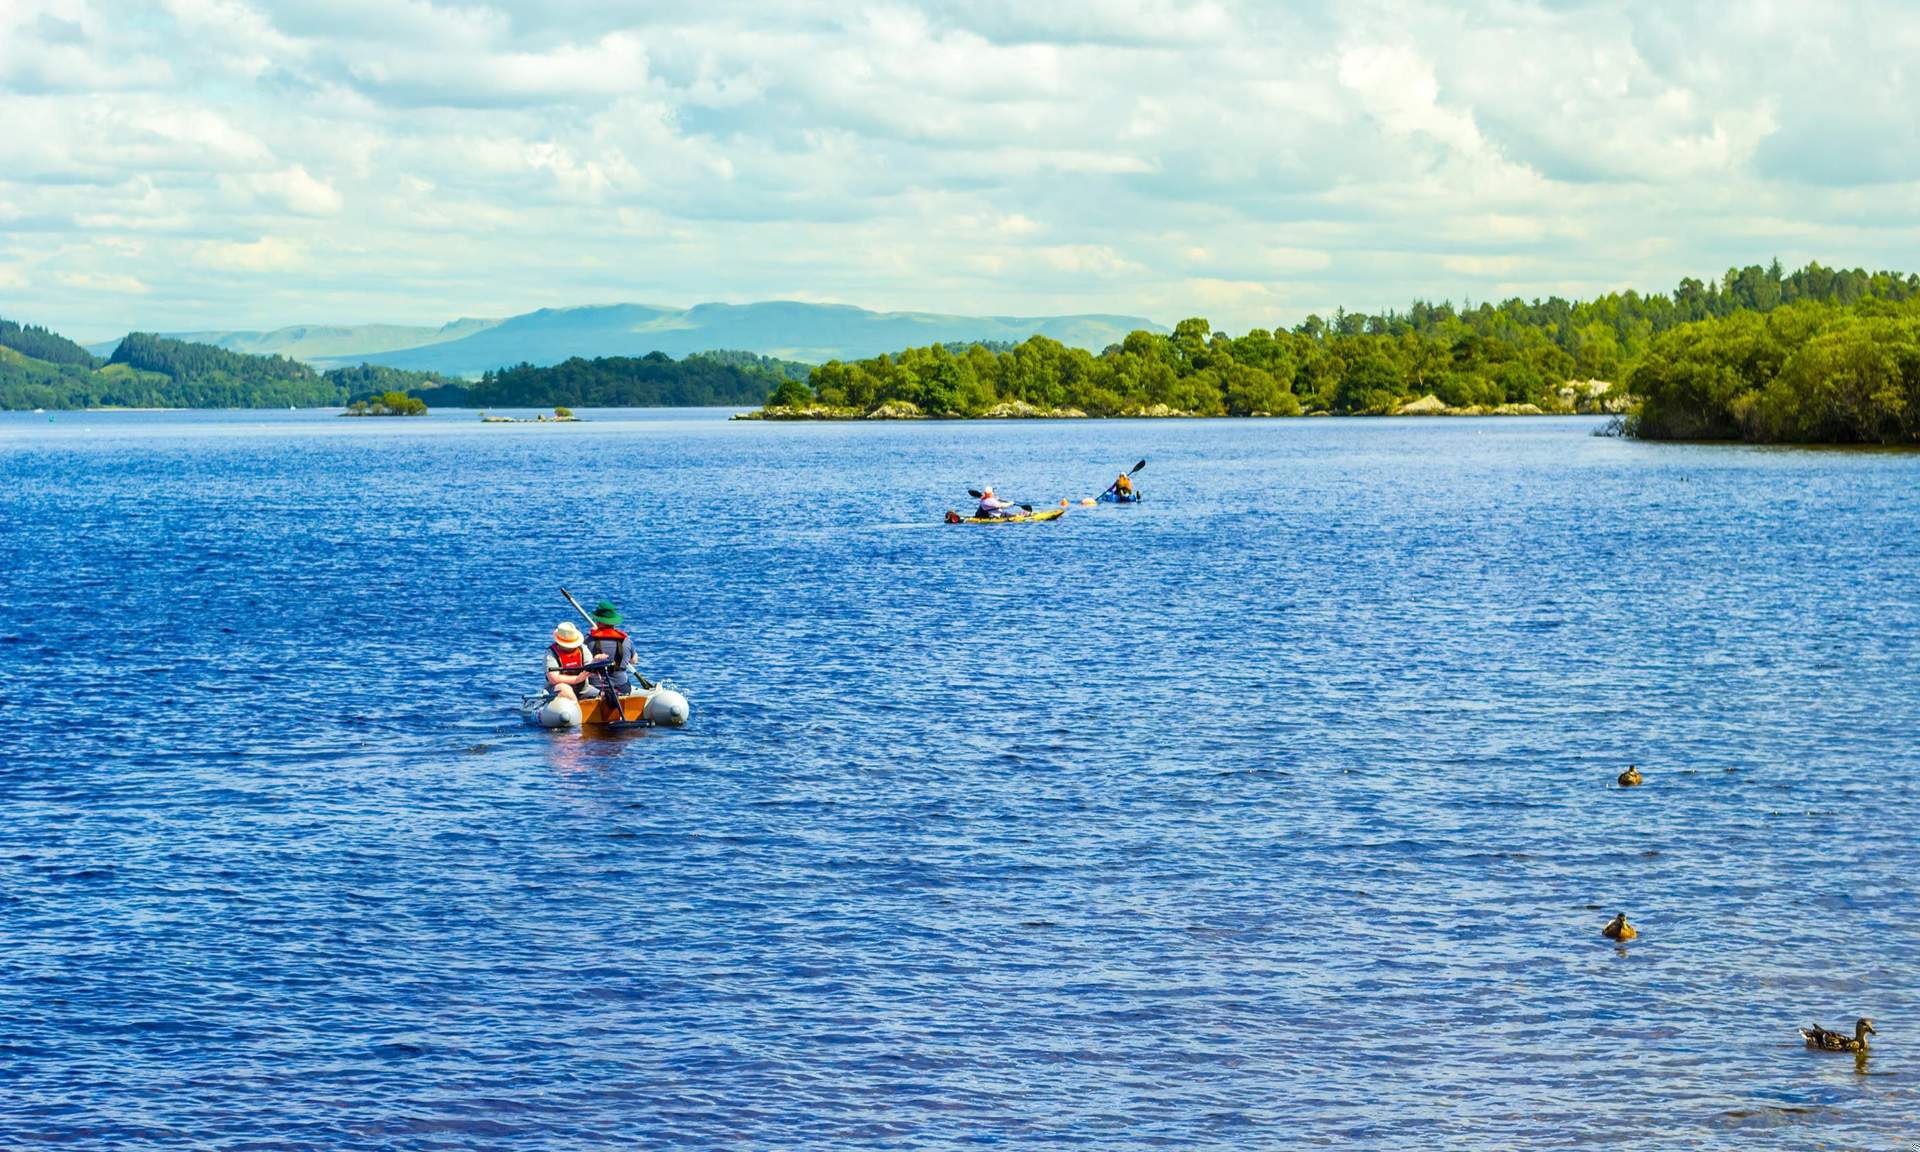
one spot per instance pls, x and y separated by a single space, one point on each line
902 410
1577 397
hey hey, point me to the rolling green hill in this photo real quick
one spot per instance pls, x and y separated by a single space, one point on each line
40 369
704 379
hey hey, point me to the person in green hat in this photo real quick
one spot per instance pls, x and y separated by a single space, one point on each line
608 640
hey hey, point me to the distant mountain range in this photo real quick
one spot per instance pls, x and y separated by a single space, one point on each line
790 330
318 342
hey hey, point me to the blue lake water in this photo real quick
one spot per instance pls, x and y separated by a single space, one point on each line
1274 812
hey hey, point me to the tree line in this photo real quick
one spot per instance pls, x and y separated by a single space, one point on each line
41 344
1759 353
1514 352
704 379
1807 372
41 369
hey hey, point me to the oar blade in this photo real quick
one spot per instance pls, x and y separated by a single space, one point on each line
1137 467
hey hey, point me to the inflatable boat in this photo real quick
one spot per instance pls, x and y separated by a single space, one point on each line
655 706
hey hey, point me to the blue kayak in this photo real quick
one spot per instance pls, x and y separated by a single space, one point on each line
1112 497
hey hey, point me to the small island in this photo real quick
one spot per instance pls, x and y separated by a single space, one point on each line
387 404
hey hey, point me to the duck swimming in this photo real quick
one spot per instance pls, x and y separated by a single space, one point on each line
1630 778
1821 1040
1618 929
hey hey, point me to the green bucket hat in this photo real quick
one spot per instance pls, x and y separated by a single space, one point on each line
605 613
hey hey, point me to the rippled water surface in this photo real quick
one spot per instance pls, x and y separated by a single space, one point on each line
1274 812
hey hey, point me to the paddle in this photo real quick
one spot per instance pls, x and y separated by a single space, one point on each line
577 608
606 679
983 496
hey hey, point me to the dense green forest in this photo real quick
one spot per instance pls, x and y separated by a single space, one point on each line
1810 372
40 344
40 369
1472 358
365 381
203 376
656 379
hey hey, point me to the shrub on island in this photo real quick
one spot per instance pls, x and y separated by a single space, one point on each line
387 404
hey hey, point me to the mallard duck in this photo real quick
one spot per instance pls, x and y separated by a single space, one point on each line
1618 929
1821 1040
1630 778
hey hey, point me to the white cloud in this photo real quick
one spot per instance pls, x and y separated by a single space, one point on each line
1396 86
1086 259
68 47
421 159
233 35
1295 259
292 189
609 66
1490 266
267 254
114 283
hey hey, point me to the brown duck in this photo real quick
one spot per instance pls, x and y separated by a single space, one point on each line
1630 778
1618 929
1821 1040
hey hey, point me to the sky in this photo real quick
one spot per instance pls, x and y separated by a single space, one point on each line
189 164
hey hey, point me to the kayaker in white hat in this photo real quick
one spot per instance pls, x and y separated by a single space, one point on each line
566 664
991 505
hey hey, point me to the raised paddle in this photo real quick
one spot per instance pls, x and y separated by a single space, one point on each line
592 624
577 608
984 496
606 686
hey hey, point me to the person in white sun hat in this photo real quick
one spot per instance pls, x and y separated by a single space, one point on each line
991 506
566 664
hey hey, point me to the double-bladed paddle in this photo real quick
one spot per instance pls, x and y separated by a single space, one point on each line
983 496
1116 484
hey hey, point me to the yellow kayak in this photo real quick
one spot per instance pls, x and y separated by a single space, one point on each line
1021 518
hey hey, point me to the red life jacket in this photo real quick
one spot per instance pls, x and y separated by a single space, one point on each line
606 640
568 657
